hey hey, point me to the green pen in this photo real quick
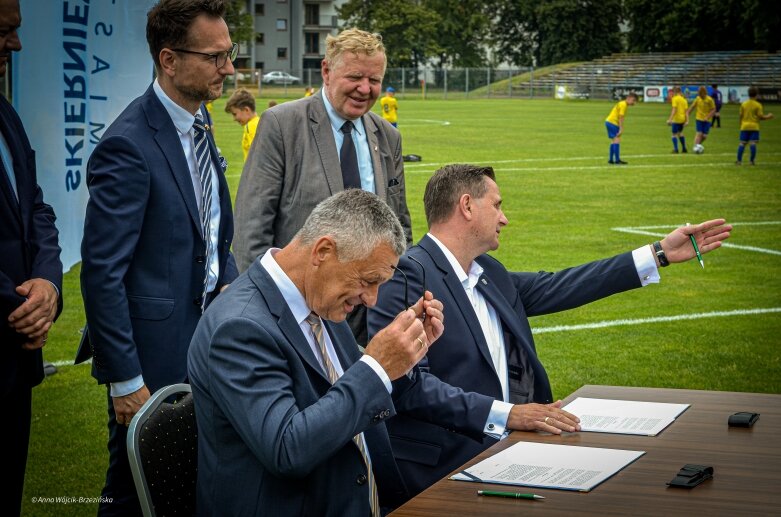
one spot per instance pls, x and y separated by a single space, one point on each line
696 249
512 495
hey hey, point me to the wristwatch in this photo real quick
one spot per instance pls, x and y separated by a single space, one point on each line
663 262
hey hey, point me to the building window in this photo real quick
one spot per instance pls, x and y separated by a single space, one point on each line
282 53
260 9
312 14
260 65
311 43
260 38
281 24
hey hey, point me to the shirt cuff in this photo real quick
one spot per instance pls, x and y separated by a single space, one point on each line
645 263
378 370
55 287
497 419
120 389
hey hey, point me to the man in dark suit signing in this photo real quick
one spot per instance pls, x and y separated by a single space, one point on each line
30 276
487 348
158 227
311 148
290 414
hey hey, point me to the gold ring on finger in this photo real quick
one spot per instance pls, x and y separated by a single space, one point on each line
422 343
546 419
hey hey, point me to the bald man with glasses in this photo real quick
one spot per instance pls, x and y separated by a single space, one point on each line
159 225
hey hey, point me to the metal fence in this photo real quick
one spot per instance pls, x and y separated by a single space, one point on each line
597 82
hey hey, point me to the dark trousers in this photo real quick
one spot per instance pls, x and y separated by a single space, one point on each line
119 495
15 437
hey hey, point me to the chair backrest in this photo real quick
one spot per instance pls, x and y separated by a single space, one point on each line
162 446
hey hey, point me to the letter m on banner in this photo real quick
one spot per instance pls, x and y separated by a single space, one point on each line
80 65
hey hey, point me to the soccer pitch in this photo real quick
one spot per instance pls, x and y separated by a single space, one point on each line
711 329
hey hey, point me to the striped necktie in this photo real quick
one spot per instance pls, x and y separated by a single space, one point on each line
203 160
317 331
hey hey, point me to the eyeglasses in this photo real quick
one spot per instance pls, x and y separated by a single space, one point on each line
406 283
220 58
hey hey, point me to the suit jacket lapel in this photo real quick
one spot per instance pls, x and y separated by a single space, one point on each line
459 295
380 176
13 147
167 137
320 125
285 320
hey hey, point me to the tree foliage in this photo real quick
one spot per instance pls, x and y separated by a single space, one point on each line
545 32
241 24
408 28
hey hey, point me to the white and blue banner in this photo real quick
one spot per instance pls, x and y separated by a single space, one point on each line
81 63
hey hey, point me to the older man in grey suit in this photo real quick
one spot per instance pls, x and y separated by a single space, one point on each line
312 148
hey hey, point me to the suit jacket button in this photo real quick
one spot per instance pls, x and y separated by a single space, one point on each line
200 259
197 301
361 479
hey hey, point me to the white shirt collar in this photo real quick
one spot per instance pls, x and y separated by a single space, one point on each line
336 120
468 279
293 297
182 119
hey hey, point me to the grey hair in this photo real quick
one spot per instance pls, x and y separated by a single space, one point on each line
357 221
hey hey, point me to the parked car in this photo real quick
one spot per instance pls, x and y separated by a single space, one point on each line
280 78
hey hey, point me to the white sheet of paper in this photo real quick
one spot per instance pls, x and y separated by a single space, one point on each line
544 465
624 416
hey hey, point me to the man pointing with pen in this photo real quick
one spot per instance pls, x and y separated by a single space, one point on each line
487 348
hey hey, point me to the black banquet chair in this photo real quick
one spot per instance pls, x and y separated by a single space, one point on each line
162 446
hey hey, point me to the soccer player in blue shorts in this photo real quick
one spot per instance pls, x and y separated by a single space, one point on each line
679 118
750 115
706 107
615 127
718 99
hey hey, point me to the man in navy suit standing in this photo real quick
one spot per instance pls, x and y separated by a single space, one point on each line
158 228
30 276
487 348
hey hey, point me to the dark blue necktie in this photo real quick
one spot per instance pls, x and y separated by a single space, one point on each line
205 175
349 160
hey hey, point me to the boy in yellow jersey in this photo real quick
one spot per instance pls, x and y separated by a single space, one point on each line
679 118
615 127
750 115
706 107
242 106
390 106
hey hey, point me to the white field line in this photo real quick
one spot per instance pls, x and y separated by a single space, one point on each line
574 159
638 231
657 319
603 324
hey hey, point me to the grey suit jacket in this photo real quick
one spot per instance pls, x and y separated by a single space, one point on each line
294 164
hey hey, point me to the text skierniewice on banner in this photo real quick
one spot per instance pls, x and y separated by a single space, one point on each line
81 63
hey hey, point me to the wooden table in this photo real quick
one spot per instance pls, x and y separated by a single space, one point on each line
746 463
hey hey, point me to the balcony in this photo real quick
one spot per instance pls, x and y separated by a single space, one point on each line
321 23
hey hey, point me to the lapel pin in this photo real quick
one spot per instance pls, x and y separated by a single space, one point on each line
375 147
484 281
208 127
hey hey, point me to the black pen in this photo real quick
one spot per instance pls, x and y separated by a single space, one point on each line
513 495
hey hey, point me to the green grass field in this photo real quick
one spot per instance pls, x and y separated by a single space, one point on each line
564 204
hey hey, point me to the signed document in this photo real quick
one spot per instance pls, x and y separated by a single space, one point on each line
544 465
624 416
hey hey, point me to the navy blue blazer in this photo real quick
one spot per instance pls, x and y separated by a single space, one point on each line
142 252
425 453
28 249
274 436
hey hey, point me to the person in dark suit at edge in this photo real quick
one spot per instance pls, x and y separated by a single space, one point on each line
30 276
309 149
487 348
158 227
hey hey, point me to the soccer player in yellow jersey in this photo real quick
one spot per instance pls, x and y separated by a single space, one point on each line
706 107
750 116
678 119
242 106
390 106
615 127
